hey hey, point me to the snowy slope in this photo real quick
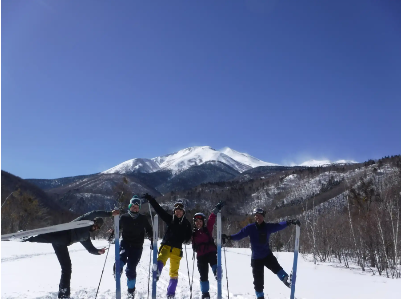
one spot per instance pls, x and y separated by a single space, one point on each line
142 165
31 270
245 158
194 156
325 162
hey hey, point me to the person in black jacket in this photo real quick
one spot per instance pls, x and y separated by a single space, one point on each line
178 231
60 240
133 226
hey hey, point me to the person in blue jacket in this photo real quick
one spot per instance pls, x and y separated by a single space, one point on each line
259 233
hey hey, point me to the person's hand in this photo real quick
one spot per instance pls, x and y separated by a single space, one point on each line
146 197
218 207
102 251
111 230
293 222
225 238
151 245
115 212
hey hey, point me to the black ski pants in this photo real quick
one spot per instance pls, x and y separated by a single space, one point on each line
59 240
130 255
203 262
270 262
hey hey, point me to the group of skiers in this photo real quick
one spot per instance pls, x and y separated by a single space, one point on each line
135 226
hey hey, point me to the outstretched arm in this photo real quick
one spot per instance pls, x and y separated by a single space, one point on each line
94 214
274 227
165 216
243 233
89 246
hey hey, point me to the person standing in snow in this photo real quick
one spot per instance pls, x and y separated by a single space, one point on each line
178 232
134 226
259 233
205 248
60 240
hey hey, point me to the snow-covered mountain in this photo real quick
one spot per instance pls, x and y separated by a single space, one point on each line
195 156
325 162
245 158
137 165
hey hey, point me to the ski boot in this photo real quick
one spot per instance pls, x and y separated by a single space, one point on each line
170 296
206 295
131 294
64 293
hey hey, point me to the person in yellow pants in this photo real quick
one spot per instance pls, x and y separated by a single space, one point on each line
178 231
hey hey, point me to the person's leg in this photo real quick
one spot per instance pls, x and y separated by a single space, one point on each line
65 262
212 257
203 271
175 258
164 254
123 258
134 256
59 237
258 277
271 263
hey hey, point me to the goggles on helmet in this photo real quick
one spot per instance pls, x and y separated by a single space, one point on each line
259 211
178 205
199 216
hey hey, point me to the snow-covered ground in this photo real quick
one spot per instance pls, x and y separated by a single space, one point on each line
30 270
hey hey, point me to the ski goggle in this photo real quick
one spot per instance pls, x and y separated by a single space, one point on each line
178 206
259 211
198 217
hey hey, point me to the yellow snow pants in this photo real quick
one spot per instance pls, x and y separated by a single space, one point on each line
175 255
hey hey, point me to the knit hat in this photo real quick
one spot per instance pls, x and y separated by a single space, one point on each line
98 222
135 201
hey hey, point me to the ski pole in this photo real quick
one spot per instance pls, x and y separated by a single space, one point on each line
150 252
189 277
193 271
6 199
104 264
150 261
225 262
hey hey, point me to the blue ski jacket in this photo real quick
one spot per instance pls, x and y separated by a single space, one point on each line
259 235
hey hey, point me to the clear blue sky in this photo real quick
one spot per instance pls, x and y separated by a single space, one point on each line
89 84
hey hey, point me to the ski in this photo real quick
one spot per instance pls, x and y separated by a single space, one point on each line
295 263
117 252
60 227
219 292
155 270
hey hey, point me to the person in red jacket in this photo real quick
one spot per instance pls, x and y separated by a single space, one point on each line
205 248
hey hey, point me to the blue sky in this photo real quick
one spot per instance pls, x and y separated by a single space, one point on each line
89 84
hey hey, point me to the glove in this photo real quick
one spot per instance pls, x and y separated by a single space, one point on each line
146 197
218 207
293 222
225 238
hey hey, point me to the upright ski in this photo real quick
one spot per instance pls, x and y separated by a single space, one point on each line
219 292
295 263
155 237
43 230
117 251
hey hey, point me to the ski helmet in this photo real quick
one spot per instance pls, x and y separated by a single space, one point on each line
135 201
98 222
259 211
200 216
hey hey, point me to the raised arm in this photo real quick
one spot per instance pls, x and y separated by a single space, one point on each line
165 216
94 214
274 227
